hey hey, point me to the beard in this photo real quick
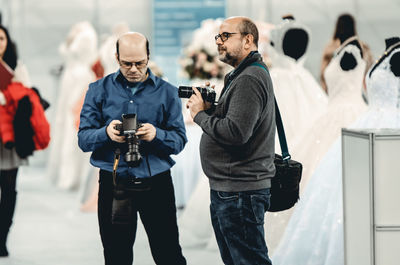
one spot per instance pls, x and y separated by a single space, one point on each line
227 57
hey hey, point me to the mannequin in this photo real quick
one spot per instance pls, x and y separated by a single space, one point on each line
391 45
348 61
345 28
315 232
291 38
395 64
295 41
300 98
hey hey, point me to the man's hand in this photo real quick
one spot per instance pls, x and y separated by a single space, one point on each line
147 132
196 102
113 133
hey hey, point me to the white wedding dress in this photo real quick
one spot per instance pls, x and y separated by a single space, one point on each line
314 234
67 164
344 107
301 102
300 98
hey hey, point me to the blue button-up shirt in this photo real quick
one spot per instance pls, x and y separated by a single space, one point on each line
155 101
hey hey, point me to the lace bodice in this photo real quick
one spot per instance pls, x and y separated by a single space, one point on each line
383 86
345 86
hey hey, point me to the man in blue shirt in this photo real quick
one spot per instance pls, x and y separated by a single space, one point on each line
134 89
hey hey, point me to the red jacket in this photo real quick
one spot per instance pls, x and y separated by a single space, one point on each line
41 127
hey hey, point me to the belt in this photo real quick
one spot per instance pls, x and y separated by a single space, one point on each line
139 184
134 178
131 180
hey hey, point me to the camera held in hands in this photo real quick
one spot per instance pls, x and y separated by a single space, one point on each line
128 128
207 93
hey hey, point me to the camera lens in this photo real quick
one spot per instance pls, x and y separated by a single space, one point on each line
132 156
207 93
185 91
133 159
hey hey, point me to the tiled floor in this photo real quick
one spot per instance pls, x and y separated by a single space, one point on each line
49 229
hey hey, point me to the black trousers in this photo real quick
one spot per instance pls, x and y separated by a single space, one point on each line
158 214
8 198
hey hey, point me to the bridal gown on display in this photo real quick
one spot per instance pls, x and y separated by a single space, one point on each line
314 234
67 163
300 99
345 105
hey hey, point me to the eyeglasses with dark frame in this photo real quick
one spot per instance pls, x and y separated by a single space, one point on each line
138 65
226 35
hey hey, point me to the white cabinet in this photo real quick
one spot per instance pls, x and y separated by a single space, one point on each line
371 196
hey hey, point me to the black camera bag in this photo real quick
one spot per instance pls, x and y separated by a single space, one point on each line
285 185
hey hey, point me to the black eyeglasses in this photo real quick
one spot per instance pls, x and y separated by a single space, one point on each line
226 35
128 65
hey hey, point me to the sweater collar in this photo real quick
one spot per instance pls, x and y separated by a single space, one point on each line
253 57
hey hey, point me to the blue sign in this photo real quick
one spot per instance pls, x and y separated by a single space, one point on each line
173 24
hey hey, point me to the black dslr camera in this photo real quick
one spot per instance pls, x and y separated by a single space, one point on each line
207 93
128 128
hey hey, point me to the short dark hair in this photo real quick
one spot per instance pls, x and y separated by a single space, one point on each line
246 26
345 27
10 55
147 48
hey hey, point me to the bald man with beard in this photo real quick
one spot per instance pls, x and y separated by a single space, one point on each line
237 146
134 89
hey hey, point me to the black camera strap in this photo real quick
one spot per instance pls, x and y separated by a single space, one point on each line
148 165
253 57
279 125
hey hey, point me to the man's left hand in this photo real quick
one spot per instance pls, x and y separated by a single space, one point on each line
147 132
196 103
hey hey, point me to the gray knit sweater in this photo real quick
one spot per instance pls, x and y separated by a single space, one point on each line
237 145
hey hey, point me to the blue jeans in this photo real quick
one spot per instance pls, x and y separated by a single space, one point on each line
238 222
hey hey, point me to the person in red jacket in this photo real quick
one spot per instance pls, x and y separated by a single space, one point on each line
11 98
23 124
9 160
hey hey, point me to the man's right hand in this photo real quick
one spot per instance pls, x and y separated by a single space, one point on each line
113 133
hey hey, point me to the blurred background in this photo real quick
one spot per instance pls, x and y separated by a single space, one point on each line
40 26
182 51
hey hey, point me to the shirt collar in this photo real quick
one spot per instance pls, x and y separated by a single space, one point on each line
118 76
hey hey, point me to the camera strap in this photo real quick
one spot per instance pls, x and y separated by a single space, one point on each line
253 57
117 155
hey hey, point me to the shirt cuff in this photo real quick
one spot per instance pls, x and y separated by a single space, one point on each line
160 136
102 135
